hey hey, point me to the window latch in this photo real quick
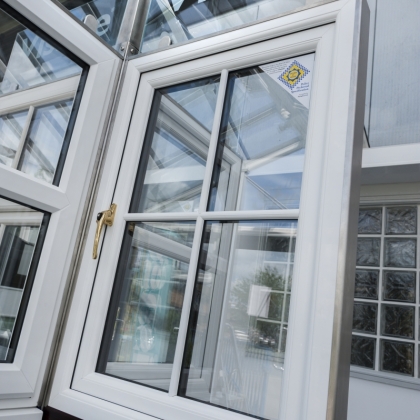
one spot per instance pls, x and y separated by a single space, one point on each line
105 217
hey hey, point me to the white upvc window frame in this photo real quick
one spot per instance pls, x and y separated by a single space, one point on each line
317 370
21 381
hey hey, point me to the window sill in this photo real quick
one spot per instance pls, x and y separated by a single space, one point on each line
385 378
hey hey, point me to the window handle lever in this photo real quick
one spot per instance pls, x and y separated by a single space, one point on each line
105 217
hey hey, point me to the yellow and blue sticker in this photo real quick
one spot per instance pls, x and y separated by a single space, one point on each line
293 74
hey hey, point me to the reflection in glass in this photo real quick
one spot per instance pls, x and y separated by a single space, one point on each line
370 221
368 251
399 285
398 321
107 16
364 317
394 99
26 60
363 351
397 357
143 321
45 139
400 252
11 129
176 146
19 231
237 333
177 21
259 161
366 284
401 220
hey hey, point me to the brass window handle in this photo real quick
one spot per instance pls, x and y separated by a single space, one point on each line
105 217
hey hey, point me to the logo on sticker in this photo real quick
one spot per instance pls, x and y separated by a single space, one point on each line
293 74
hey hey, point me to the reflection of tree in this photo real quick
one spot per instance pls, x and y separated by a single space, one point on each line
239 297
260 333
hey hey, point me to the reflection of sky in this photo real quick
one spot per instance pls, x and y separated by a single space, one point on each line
33 61
198 99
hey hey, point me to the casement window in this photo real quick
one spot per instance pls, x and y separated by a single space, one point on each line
228 190
52 111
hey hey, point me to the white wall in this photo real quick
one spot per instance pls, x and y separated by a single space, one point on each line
370 400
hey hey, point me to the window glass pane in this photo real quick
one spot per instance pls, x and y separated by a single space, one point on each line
45 139
238 326
366 284
178 21
364 317
400 253
401 220
143 320
399 285
363 351
11 129
27 60
104 17
174 155
398 321
260 155
368 251
19 235
370 221
395 98
397 357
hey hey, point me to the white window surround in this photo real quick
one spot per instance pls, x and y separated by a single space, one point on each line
21 381
86 395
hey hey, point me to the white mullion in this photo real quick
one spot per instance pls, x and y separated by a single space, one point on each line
251 215
23 136
159 217
186 306
380 282
217 121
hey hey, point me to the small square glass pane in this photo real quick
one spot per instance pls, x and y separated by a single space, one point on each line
399 285
175 149
366 284
397 321
261 148
401 221
370 221
363 351
397 357
365 317
400 253
368 252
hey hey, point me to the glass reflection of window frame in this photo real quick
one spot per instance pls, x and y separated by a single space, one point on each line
43 94
180 31
379 338
216 302
15 218
162 246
